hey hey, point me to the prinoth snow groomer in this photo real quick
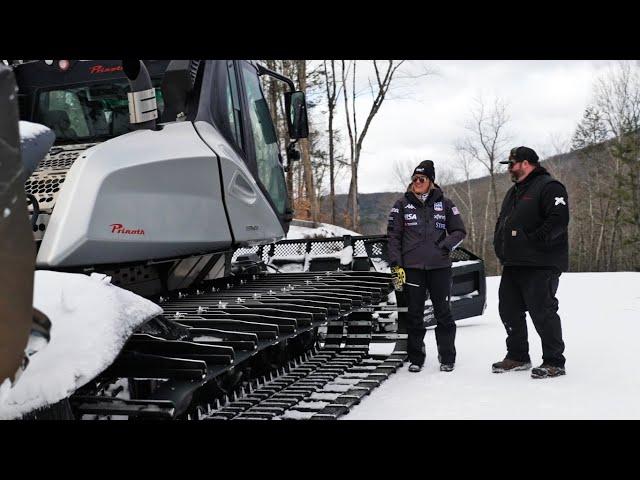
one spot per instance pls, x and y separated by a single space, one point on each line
184 210
162 207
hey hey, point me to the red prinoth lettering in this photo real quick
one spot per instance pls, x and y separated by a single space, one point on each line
120 229
102 69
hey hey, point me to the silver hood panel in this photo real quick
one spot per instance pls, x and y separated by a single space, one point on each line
145 195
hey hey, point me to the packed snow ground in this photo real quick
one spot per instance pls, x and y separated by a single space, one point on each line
323 230
90 322
600 315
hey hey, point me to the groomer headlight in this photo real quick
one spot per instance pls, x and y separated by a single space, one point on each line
63 65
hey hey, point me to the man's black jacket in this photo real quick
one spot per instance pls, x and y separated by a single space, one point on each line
532 227
421 235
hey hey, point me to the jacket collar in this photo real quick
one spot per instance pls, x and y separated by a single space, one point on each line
435 196
534 173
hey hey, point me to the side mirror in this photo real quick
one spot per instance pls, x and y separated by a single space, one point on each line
296 107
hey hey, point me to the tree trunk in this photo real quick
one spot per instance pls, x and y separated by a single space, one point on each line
471 219
613 239
331 102
350 132
591 226
486 221
304 149
601 236
353 195
494 191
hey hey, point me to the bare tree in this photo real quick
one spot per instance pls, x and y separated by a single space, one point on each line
590 133
383 78
333 92
557 144
465 195
401 171
618 98
487 139
304 149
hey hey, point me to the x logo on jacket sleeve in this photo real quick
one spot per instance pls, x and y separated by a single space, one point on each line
559 200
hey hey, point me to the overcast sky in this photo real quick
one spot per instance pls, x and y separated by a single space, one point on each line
545 101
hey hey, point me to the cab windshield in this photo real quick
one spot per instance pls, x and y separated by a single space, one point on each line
88 113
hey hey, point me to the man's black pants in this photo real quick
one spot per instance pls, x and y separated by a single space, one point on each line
531 289
438 282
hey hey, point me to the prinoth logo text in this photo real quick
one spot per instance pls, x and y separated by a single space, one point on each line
102 69
119 228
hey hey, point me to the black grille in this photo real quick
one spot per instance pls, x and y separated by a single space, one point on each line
59 162
459 255
374 246
46 182
326 248
43 188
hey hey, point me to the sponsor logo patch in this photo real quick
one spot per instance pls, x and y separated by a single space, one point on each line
412 224
439 216
410 206
410 216
437 206
395 210
455 210
441 226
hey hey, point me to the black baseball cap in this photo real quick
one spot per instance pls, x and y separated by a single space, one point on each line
519 154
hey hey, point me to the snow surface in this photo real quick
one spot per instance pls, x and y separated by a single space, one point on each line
323 230
461 263
90 322
301 263
600 315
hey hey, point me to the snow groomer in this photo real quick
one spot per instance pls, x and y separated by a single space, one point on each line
424 227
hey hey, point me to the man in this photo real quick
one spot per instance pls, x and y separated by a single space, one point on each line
424 227
531 242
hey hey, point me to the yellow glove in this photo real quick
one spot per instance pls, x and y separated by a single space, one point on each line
398 277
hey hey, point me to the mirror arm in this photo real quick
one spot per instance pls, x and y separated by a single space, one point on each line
292 154
262 70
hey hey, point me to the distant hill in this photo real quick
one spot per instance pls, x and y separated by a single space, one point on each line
375 207
602 231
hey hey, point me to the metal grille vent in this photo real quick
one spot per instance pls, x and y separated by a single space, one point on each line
193 70
44 188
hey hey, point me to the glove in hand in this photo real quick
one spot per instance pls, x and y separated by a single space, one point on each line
398 277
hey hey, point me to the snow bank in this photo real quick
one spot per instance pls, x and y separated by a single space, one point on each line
90 322
301 263
600 315
35 142
323 230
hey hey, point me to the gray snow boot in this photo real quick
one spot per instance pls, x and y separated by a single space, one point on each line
547 371
508 365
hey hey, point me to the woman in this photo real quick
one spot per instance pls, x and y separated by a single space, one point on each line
424 227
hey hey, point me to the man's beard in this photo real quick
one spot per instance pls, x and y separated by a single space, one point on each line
514 177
